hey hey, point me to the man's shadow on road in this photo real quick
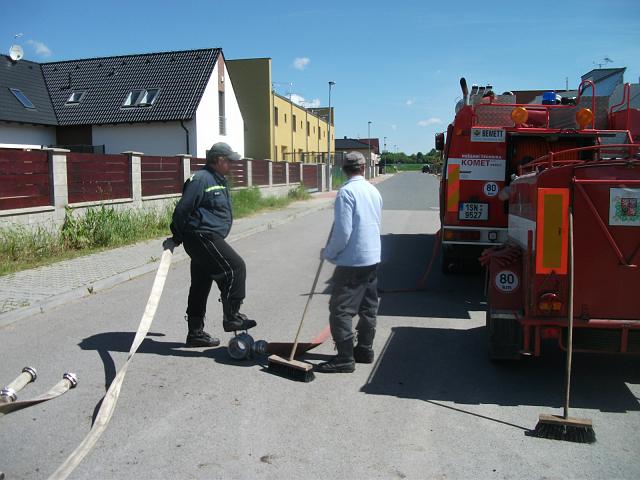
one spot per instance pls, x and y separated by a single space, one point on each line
108 342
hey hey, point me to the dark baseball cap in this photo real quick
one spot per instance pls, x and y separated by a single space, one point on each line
221 149
354 159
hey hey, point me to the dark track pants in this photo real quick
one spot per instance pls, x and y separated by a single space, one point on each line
355 291
212 259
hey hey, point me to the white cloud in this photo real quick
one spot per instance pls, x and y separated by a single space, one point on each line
429 121
300 100
40 48
409 102
301 63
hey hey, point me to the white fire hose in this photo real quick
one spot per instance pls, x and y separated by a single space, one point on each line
10 393
69 381
111 397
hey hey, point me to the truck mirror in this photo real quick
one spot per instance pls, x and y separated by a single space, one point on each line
440 142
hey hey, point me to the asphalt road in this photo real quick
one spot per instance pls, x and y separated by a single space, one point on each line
432 406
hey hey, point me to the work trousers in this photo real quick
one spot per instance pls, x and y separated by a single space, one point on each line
212 259
355 291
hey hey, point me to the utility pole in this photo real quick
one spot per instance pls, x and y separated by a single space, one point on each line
293 157
369 144
331 84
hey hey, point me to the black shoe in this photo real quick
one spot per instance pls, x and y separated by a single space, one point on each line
363 354
232 319
341 363
336 365
201 339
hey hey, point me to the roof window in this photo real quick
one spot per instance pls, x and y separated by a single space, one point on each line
76 97
22 98
141 98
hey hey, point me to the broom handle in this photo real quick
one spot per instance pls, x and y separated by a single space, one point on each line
306 307
304 313
567 384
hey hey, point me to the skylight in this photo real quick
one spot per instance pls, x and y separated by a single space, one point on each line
141 98
22 98
76 97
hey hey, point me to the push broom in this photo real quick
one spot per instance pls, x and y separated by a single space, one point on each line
290 367
555 427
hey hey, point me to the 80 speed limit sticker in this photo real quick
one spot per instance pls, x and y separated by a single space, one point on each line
506 281
490 189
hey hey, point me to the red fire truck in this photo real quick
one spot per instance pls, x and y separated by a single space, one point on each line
567 234
491 137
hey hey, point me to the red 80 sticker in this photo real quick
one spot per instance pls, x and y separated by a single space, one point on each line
506 281
490 189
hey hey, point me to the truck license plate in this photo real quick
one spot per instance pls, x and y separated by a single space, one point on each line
473 211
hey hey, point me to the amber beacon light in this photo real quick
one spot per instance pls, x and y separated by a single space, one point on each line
584 117
519 115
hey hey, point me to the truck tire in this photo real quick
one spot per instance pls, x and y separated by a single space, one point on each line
504 338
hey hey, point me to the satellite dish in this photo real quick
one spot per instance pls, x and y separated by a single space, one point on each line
16 52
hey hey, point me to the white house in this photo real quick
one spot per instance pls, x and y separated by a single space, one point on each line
159 104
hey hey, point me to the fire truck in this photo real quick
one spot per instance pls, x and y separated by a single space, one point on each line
491 137
565 220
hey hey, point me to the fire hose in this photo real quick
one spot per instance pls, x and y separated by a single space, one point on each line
10 393
69 381
111 397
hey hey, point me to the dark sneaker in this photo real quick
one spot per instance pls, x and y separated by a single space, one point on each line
336 365
363 354
201 339
238 322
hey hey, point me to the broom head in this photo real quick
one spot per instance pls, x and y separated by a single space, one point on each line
292 369
554 427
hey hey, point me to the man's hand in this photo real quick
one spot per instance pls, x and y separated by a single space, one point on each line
169 244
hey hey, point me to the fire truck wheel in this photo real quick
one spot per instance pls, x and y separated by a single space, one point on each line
504 337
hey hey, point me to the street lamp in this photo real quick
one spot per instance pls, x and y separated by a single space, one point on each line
369 144
331 84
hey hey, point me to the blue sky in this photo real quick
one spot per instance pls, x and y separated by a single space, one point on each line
395 63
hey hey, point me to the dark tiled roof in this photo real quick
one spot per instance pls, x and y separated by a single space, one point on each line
181 77
374 142
350 144
27 77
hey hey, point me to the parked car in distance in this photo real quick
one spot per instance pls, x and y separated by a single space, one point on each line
426 168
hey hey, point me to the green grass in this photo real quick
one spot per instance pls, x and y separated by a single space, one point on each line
103 227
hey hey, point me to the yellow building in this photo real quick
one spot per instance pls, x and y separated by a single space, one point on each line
275 127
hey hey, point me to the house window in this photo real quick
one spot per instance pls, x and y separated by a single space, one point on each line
22 98
223 120
319 133
148 97
285 118
294 123
76 97
275 117
140 98
308 129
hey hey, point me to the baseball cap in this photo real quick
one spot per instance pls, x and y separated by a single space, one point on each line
221 149
354 159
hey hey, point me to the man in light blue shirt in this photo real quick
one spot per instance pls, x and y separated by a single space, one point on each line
354 247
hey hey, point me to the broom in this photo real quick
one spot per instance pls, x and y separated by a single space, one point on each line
555 427
290 367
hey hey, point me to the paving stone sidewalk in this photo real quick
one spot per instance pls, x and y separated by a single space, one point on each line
26 293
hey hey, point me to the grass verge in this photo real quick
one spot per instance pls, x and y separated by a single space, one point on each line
103 227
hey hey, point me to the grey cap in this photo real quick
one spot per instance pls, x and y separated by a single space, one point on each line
221 149
354 159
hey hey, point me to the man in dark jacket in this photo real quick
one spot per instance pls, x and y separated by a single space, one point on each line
202 220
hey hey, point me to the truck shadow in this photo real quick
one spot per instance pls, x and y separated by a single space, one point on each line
451 365
405 259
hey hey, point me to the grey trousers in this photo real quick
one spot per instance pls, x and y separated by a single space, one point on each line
355 291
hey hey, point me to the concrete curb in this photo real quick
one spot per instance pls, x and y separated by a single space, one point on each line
86 290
